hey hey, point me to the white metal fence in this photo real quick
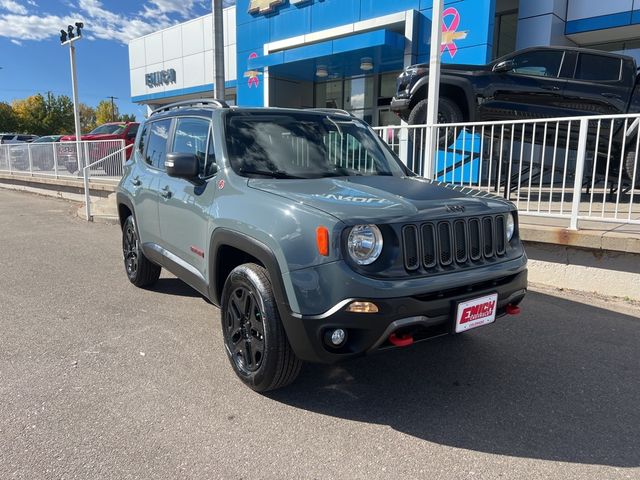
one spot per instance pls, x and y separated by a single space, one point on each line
61 159
578 168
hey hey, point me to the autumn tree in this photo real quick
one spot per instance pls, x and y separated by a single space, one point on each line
106 112
88 119
59 117
30 113
8 120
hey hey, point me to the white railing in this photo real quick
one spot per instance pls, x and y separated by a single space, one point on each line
578 168
61 159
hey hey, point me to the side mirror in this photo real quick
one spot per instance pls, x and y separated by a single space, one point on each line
182 165
504 66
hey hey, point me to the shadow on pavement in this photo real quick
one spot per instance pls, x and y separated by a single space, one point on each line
559 383
174 286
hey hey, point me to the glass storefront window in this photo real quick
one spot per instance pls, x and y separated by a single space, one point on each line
388 82
358 93
329 94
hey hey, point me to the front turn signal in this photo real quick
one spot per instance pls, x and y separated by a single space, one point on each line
322 241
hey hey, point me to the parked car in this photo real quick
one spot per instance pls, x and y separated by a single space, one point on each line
538 82
316 242
16 138
125 131
42 152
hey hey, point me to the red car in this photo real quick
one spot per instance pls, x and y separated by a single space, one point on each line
109 131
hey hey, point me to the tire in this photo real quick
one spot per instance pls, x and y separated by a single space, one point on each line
629 166
448 112
140 270
251 328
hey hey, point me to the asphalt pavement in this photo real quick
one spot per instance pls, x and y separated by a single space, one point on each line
99 379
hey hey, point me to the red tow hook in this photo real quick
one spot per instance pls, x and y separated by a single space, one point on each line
400 340
512 310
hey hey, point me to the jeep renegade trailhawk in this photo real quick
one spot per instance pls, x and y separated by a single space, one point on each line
314 239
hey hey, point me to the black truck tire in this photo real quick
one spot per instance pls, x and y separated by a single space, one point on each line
629 167
448 112
140 270
254 338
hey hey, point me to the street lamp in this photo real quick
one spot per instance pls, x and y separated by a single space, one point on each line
67 37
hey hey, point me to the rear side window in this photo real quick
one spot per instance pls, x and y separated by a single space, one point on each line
538 63
598 68
191 137
157 143
133 131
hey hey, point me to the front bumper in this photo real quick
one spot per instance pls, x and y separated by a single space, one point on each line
400 105
423 316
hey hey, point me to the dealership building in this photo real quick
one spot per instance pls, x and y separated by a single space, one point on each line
348 53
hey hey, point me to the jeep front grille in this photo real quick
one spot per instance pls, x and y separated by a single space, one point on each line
451 244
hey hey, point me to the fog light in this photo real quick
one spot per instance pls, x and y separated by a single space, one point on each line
335 338
362 307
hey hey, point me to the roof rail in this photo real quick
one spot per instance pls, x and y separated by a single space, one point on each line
192 103
332 110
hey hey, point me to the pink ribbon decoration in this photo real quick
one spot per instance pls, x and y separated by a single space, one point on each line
450 32
253 80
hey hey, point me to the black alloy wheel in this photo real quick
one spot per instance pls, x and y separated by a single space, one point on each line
140 270
245 330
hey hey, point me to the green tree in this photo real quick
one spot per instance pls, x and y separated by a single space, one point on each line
31 113
87 118
59 117
106 112
127 117
8 120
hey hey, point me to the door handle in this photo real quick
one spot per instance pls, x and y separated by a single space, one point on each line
553 88
611 95
166 193
136 182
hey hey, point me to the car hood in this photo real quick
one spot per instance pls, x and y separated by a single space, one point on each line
381 199
458 68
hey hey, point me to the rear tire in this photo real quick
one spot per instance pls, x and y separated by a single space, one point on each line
140 270
629 166
254 338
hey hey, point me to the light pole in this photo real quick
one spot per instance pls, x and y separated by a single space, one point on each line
113 108
218 50
434 87
68 38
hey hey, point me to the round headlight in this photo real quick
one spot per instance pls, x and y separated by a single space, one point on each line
365 244
511 226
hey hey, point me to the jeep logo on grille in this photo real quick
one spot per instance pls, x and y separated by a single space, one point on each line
455 208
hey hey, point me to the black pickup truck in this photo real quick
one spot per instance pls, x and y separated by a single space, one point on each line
539 82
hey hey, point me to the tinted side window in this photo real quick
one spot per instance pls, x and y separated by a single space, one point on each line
541 63
144 137
597 68
133 131
157 143
191 137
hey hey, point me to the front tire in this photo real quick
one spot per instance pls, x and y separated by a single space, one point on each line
140 270
254 338
448 112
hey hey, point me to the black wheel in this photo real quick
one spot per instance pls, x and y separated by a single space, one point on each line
140 270
448 112
629 167
254 338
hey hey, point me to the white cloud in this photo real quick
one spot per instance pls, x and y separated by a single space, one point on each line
100 22
13 7
16 42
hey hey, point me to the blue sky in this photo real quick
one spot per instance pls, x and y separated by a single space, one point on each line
33 60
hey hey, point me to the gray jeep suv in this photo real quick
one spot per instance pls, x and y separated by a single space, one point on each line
316 242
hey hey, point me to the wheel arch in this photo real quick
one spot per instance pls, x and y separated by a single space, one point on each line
458 90
125 208
229 249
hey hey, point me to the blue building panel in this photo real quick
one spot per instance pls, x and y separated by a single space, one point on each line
333 13
602 22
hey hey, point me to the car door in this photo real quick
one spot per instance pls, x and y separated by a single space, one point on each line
184 205
145 177
597 86
529 88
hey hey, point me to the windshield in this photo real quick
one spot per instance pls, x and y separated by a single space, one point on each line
305 145
47 139
108 129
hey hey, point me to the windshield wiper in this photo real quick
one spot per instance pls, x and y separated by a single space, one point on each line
268 173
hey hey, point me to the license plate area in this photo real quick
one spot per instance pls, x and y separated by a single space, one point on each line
476 312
